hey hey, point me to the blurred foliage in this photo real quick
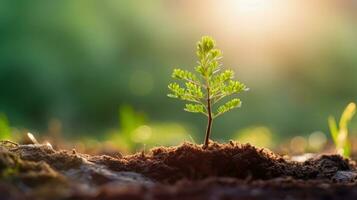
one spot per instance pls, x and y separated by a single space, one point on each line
136 132
340 133
5 130
129 121
258 136
78 61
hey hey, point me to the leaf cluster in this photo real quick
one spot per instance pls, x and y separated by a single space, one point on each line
209 84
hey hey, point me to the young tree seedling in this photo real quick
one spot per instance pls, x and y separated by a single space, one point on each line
208 86
340 134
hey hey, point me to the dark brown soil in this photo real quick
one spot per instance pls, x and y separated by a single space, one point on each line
221 171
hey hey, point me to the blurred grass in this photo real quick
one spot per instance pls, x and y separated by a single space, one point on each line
5 130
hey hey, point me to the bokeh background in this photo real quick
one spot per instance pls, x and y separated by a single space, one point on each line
97 71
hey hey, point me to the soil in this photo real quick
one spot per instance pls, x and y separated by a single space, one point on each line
220 171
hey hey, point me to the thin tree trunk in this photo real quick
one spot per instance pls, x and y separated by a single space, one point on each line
209 122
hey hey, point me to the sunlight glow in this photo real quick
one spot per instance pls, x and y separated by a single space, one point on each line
254 16
252 7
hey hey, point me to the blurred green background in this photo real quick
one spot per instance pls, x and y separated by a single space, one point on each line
98 70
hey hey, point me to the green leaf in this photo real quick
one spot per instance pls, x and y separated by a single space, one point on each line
226 75
205 45
194 90
200 70
191 93
195 108
340 134
217 83
347 115
177 91
346 149
333 128
184 75
215 54
234 103
172 95
234 87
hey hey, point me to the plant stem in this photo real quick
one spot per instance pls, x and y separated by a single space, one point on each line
209 123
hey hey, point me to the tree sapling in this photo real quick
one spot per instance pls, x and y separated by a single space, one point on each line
208 87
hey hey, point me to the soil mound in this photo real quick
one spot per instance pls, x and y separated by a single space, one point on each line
220 171
242 161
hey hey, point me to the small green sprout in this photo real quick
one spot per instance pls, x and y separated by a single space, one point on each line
340 134
209 86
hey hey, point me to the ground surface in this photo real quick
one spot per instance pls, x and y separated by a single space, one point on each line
222 171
